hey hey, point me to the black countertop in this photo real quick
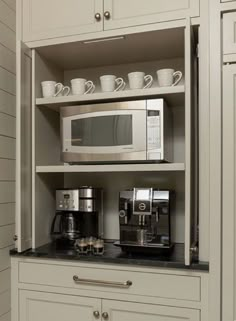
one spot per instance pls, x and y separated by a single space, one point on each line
114 255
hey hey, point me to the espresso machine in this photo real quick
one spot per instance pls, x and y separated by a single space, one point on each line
79 214
145 220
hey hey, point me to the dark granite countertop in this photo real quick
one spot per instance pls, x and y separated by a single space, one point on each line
114 255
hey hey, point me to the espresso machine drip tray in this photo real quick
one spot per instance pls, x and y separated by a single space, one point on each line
145 249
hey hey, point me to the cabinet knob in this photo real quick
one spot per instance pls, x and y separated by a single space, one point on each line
96 314
98 16
105 316
107 15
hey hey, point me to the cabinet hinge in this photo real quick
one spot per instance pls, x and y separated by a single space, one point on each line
15 238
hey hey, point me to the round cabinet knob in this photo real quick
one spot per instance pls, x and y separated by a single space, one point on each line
96 314
107 15
105 316
98 16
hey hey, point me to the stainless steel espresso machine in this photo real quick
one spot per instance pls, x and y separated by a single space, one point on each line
79 214
145 220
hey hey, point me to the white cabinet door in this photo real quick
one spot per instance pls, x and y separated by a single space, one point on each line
46 19
229 33
40 306
125 13
126 311
23 148
229 193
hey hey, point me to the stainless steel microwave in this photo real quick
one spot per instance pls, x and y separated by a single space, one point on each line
130 131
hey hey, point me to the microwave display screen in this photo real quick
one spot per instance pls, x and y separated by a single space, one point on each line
114 130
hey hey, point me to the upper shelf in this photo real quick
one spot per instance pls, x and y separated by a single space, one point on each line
174 96
163 167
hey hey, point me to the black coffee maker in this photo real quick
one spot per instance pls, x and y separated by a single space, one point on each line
79 214
145 220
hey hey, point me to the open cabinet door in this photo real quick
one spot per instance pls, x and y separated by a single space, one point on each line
191 177
23 149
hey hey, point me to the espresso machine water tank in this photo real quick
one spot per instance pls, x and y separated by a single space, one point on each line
90 208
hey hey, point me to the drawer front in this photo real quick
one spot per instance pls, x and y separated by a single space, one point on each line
229 33
83 278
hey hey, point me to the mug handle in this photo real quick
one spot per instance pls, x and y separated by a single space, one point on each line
149 81
66 90
178 75
91 87
121 84
58 91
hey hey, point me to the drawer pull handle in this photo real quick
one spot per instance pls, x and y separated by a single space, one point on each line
125 285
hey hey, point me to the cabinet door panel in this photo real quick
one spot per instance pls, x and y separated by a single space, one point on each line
125 13
229 35
38 306
123 311
23 148
229 193
57 18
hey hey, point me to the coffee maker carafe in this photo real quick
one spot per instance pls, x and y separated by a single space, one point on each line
79 214
67 226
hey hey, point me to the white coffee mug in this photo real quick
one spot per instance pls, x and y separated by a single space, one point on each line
64 91
168 77
81 86
138 80
51 88
110 83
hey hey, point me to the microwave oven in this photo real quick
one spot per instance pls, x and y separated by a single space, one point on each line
127 131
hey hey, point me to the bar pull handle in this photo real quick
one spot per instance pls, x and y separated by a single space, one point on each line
126 284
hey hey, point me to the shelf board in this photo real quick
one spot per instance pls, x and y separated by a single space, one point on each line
174 96
163 167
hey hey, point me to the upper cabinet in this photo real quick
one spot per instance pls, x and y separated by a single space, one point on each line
126 13
55 18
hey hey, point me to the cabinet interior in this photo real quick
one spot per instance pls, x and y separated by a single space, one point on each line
112 184
146 52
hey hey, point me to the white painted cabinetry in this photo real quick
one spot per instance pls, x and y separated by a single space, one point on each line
55 18
229 36
125 13
229 193
117 311
47 296
37 306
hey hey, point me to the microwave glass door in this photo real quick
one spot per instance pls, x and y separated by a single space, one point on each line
112 130
106 132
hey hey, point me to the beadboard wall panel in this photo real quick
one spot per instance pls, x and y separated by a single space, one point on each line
7 147
7 214
7 16
5 302
5 280
4 258
6 317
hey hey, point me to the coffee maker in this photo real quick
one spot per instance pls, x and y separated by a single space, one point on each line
79 214
145 220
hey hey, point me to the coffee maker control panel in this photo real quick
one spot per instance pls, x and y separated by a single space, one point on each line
67 200
142 201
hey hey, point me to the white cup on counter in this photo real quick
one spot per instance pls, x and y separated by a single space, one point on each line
138 80
110 83
168 77
54 89
81 86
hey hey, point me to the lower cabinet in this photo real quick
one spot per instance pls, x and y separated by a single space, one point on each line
42 306
126 311
38 306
